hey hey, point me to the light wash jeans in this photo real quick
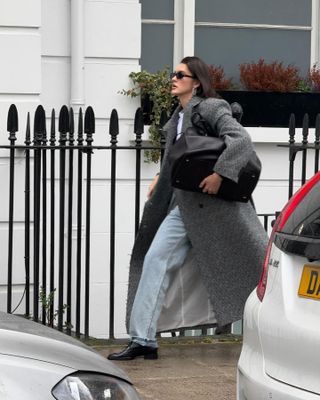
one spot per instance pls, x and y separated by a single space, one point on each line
167 252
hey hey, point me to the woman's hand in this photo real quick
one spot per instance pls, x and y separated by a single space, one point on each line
152 186
211 184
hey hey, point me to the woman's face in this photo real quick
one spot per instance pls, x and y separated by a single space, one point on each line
183 87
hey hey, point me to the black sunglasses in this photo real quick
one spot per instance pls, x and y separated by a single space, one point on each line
179 75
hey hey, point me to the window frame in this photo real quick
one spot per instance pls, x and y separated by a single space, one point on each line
185 25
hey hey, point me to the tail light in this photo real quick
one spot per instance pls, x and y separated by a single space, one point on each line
279 226
261 288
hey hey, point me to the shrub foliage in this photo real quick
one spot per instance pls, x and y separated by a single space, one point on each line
269 77
157 89
219 82
314 77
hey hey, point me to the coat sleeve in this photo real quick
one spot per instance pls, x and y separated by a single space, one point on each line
239 146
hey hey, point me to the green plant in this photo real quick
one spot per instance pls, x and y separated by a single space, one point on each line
47 300
304 86
219 82
269 77
156 89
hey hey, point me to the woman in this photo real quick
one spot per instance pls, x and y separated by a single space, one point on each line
224 240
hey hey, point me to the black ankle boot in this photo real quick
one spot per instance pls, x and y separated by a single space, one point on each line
135 350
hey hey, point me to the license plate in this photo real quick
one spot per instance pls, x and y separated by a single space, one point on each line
310 282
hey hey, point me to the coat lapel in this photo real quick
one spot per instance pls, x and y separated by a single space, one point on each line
188 112
170 128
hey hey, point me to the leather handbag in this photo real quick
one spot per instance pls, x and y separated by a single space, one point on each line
193 156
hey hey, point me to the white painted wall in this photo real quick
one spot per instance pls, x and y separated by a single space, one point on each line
272 192
35 68
36 48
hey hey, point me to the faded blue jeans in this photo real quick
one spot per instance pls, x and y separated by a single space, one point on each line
167 252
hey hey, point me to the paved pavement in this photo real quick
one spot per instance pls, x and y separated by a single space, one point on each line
185 370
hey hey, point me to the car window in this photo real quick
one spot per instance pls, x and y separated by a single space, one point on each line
301 232
305 219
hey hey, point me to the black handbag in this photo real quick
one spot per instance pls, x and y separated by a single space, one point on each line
193 156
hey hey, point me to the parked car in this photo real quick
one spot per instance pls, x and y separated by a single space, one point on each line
280 357
40 363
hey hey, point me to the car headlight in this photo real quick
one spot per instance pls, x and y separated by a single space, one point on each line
92 386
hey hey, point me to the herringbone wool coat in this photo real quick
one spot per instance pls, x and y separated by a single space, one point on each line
228 240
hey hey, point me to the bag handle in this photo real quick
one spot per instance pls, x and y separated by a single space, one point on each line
202 126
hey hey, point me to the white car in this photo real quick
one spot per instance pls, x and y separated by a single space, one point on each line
40 363
280 357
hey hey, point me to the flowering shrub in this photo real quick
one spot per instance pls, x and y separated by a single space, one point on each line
269 77
314 78
219 82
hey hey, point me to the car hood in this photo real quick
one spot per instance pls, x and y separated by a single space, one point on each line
20 337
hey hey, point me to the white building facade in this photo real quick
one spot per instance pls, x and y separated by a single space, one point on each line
80 53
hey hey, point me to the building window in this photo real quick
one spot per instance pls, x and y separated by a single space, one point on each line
157 34
229 33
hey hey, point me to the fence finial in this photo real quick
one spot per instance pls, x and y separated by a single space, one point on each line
28 134
39 125
89 125
64 120
138 122
80 128
63 124
305 129
163 118
71 127
89 121
53 128
12 122
292 128
114 126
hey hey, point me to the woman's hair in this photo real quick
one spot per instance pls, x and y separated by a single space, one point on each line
200 70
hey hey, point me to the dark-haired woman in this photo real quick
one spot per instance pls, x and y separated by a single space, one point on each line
196 257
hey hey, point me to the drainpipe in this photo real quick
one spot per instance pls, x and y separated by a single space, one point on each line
77 95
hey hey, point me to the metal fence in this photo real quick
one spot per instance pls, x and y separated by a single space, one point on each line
53 304
49 210
306 147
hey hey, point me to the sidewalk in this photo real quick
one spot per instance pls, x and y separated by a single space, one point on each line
185 370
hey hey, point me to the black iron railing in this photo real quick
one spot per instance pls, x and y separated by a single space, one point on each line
53 213
304 146
57 270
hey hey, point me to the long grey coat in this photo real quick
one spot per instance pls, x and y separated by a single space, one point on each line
228 240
